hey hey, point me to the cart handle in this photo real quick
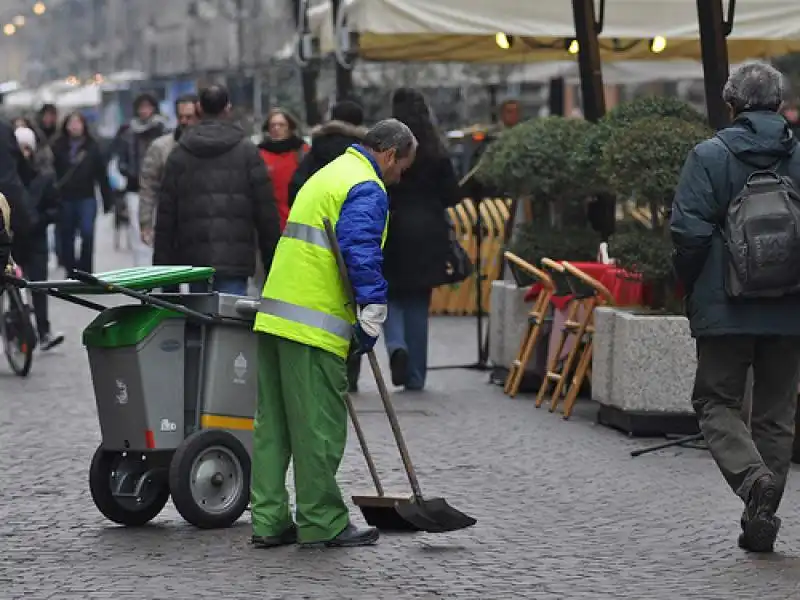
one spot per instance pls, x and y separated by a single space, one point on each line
206 319
247 308
5 278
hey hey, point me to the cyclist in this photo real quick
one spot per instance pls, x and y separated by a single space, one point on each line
32 252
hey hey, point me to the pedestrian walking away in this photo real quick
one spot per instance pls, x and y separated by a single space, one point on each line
328 141
215 200
745 313
307 330
147 126
418 244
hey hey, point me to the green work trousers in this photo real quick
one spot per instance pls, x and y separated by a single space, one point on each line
302 415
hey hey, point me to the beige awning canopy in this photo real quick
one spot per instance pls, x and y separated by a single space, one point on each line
541 30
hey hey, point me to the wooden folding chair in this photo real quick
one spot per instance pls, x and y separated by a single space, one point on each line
536 318
593 294
563 288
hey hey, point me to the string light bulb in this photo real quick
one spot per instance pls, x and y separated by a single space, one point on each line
574 47
503 41
658 44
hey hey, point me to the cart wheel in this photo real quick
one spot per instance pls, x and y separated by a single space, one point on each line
112 470
209 478
19 337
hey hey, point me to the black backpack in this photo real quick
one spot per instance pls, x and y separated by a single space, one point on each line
762 237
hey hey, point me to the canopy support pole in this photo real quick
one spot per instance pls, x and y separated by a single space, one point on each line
587 28
344 76
588 25
714 47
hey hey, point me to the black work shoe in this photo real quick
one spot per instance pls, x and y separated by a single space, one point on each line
759 523
287 538
350 537
398 364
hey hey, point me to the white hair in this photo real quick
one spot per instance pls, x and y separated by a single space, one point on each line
754 85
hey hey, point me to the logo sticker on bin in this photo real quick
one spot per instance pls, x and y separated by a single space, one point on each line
168 426
122 392
240 369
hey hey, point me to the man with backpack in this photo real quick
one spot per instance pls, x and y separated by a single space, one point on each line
736 230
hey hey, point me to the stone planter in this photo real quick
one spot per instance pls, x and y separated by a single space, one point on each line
643 371
508 320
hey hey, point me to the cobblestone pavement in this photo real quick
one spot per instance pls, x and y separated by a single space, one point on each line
563 511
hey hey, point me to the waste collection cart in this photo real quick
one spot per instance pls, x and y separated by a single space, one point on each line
175 379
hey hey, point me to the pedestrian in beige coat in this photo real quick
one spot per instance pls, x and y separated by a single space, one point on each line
153 166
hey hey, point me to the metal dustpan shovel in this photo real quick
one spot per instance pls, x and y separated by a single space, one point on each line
392 513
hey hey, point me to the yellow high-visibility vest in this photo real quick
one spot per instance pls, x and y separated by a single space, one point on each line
303 298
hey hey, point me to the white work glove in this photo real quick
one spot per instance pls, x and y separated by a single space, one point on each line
371 318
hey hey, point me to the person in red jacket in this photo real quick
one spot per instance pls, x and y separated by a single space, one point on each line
282 151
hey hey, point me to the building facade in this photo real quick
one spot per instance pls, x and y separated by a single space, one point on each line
163 38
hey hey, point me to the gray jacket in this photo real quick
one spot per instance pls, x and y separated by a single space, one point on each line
150 178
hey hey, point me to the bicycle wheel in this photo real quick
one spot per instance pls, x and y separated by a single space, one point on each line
19 337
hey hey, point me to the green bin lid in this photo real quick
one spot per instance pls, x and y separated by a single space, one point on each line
138 278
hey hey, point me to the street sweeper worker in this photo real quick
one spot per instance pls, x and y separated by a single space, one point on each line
307 330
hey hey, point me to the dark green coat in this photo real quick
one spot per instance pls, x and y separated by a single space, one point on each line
711 178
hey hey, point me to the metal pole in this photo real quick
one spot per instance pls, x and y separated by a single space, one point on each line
586 32
344 76
308 74
556 96
587 29
240 37
714 49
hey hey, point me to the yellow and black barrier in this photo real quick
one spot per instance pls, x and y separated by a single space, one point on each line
461 298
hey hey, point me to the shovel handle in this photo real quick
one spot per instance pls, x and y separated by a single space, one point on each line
362 440
376 369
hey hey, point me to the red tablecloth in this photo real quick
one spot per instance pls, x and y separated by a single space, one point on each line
625 288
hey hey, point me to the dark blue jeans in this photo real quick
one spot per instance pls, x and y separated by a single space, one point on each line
406 328
224 285
77 219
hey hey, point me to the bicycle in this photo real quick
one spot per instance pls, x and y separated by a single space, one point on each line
16 328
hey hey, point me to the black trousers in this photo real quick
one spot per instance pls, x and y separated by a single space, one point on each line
34 265
722 363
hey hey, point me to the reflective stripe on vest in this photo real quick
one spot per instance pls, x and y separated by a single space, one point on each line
307 233
307 316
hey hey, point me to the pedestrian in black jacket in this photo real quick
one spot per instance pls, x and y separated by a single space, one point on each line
329 141
215 196
79 166
32 252
733 335
418 243
10 184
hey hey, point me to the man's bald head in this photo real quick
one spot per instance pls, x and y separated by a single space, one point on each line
214 100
